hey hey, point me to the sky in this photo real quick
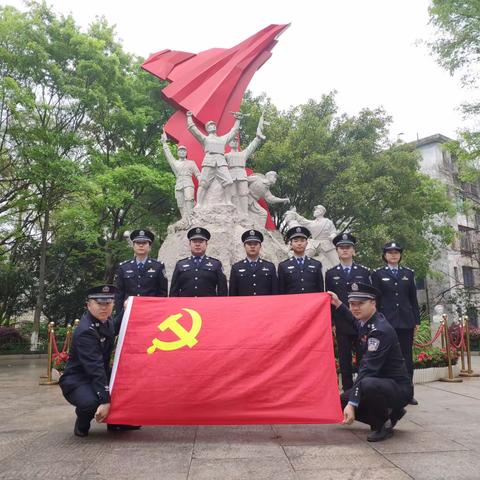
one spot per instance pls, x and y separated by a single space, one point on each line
369 51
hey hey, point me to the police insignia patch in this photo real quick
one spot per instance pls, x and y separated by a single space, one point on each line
141 232
252 232
354 287
344 236
106 289
373 344
197 230
298 230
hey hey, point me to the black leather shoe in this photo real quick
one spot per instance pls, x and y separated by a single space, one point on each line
79 432
397 415
112 427
412 401
382 434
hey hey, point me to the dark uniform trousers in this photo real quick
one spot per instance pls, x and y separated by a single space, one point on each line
198 279
382 387
85 381
337 281
398 302
148 281
257 279
295 278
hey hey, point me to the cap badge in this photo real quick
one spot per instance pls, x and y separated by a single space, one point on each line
394 244
252 232
197 230
354 287
141 232
344 236
105 289
298 230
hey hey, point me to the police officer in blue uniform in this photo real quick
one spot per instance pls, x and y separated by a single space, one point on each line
141 277
253 276
337 279
198 275
398 300
87 373
299 274
382 387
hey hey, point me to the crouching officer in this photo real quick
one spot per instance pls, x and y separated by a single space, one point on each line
299 274
382 387
85 380
337 280
253 276
143 276
198 275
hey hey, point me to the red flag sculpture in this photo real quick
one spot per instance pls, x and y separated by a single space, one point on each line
211 84
225 360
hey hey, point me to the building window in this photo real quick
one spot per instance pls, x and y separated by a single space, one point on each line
468 277
466 239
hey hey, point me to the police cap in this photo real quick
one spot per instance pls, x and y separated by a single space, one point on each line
252 236
298 232
102 293
142 236
344 239
392 246
198 232
362 291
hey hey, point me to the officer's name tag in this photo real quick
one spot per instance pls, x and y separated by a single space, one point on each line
265 269
241 270
129 271
151 270
311 266
386 279
186 265
291 267
336 278
373 344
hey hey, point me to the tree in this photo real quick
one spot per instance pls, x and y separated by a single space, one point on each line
367 185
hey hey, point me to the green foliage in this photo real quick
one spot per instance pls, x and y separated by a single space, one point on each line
367 185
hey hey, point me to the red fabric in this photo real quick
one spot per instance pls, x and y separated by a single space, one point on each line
266 359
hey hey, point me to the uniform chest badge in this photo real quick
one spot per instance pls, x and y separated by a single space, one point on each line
151 270
373 344
242 270
386 279
336 278
265 269
208 264
311 266
404 278
102 339
186 265
291 267
129 271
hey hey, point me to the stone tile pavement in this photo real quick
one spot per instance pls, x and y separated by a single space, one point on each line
438 439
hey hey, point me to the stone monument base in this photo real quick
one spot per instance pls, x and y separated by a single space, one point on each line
225 244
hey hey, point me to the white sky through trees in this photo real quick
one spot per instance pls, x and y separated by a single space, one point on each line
366 50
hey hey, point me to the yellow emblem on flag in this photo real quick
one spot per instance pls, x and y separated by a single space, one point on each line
185 337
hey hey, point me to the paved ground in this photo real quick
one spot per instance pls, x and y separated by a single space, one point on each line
439 439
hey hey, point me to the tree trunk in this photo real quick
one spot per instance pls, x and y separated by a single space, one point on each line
41 283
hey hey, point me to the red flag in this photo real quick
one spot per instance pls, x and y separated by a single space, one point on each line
225 360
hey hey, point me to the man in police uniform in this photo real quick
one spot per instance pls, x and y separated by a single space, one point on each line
382 387
198 275
299 274
253 276
398 300
141 277
337 279
85 380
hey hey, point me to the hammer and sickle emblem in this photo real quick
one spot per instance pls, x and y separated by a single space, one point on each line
185 337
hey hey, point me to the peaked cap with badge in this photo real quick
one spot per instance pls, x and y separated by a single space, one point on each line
344 239
298 231
142 236
362 291
392 246
252 236
198 233
102 293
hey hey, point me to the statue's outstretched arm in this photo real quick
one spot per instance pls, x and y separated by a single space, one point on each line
271 198
254 144
168 154
194 130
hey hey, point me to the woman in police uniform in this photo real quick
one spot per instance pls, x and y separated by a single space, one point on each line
398 300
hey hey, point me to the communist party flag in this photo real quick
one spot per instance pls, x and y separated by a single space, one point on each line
225 361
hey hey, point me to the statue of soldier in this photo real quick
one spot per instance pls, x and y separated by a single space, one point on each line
237 161
214 164
323 232
183 169
259 187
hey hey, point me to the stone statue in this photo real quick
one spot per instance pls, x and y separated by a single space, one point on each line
259 187
437 319
236 163
183 169
214 164
323 232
